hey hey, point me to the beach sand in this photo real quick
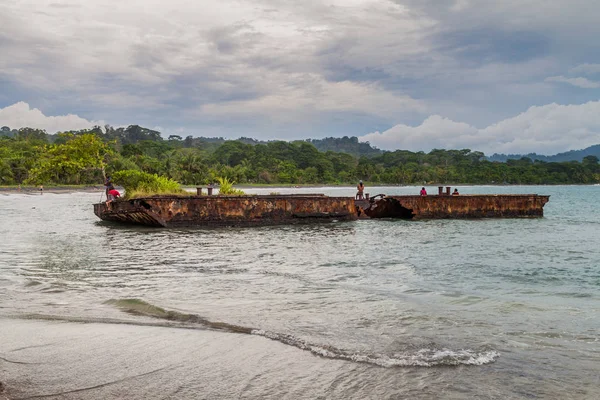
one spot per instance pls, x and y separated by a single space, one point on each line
70 360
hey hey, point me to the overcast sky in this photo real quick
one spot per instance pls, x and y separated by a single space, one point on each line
497 76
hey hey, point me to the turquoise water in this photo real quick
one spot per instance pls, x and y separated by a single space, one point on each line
504 308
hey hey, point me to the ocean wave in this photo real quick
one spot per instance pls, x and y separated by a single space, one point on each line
420 358
424 357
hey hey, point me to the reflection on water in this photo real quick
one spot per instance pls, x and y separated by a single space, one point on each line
504 296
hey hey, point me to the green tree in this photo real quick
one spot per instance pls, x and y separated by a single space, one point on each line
80 159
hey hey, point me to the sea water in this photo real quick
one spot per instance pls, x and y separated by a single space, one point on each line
490 308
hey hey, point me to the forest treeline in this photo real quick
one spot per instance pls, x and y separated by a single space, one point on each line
31 156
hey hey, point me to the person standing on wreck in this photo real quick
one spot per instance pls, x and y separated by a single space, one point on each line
423 191
360 191
108 186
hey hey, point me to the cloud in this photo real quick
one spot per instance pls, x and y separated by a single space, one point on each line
312 94
434 132
586 69
322 66
579 82
21 115
547 129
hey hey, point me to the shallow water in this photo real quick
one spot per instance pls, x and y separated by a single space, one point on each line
448 308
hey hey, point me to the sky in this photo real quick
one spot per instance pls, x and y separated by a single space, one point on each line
511 76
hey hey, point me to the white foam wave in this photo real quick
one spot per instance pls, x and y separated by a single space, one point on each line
420 358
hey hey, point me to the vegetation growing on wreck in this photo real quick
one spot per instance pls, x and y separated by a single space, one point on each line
226 187
141 184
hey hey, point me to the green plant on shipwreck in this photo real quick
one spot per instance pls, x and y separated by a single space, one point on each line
226 188
142 184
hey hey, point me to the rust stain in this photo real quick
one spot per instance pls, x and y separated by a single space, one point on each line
228 210
463 206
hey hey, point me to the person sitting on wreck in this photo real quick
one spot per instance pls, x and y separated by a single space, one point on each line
423 191
112 195
360 193
455 193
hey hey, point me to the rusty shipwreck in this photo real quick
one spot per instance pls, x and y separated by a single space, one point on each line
169 211
248 210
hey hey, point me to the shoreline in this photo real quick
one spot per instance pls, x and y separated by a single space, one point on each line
34 190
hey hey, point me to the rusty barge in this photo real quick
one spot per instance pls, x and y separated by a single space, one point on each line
171 211
446 207
249 210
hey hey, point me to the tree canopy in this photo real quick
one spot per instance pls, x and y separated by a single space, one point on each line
83 157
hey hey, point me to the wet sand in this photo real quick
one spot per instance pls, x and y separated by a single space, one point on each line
66 360
112 359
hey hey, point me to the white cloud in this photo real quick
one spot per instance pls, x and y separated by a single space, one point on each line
586 69
579 82
210 64
547 129
20 115
434 132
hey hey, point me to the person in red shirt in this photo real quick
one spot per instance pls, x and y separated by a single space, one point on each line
423 191
112 195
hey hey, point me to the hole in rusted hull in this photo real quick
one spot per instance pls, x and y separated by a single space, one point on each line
398 211
389 208
144 204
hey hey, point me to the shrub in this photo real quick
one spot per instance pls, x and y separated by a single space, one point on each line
142 184
226 187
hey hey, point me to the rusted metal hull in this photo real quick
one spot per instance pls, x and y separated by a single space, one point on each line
463 206
170 211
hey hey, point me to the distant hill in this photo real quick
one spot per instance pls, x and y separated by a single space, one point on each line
135 133
345 144
573 155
